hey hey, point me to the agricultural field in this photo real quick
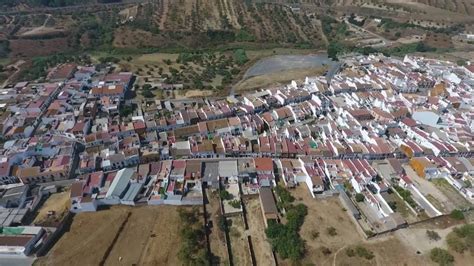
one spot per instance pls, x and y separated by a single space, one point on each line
201 74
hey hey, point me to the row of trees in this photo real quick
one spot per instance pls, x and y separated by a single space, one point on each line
285 238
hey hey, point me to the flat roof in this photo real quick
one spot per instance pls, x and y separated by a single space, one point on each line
268 201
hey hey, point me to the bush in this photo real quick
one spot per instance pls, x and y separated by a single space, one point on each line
148 94
235 203
432 235
455 243
359 197
331 231
441 256
225 195
457 214
364 253
222 223
240 56
326 251
314 234
350 252
461 238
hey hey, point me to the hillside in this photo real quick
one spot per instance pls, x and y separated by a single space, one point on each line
181 24
45 27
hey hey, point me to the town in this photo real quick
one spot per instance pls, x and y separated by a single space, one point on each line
392 140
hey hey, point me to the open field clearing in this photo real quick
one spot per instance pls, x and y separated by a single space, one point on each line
325 249
454 196
216 236
278 78
150 237
57 204
147 235
238 241
88 239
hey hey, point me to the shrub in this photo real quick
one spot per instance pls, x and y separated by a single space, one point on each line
284 194
314 234
225 195
326 251
432 235
350 252
364 253
462 238
235 203
441 256
222 223
457 214
331 231
455 243
359 197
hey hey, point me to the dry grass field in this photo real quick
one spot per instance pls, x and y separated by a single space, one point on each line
261 247
57 203
150 236
238 242
277 78
325 249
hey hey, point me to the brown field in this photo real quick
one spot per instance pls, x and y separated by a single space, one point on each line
216 236
31 48
58 203
261 247
88 238
150 236
238 242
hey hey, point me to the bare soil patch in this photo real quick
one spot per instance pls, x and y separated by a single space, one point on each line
238 241
261 246
57 205
87 240
150 236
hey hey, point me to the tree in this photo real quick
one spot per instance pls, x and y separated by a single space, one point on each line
147 86
359 197
441 256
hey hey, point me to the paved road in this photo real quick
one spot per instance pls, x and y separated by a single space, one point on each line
16 261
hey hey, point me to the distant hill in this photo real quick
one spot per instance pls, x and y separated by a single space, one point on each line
50 26
171 24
